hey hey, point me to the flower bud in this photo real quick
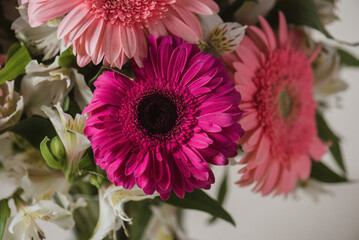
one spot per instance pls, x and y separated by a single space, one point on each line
57 148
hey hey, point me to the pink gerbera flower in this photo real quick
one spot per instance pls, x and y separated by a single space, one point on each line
161 129
275 79
117 30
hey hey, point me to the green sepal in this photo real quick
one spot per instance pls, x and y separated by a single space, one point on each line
322 173
199 200
51 161
327 135
96 180
16 64
4 215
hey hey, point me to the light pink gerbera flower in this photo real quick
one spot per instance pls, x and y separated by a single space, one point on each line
117 30
275 79
162 129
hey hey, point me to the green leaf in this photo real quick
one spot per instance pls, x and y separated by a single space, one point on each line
12 50
327 135
4 215
34 130
199 200
47 155
322 173
125 71
86 164
15 66
347 59
141 213
91 82
221 193
67 59
301 12
223 189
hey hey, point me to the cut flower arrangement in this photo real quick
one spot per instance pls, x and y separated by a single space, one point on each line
113 113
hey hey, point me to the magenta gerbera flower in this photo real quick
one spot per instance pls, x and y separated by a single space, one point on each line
275 79
118 30
161 129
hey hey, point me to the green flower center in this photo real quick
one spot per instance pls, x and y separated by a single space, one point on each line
285 103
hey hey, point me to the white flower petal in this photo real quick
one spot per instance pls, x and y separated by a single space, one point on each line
39 40
71 134
11 105
45 85
226 37
83 94
106 221
208 22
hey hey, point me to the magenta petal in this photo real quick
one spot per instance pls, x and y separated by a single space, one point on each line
142 165
162 129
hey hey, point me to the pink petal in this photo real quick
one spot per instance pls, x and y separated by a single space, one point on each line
268 32
283 30
40 12
128 40
178 28
317 149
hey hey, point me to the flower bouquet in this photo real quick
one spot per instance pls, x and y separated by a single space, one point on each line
113 113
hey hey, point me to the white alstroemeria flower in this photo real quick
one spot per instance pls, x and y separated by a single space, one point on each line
326 10
327 81
248 13
68 202
11 105
118 196
71 133
108 223
29 171
40 40
112 214
23 226
5 147
48 85
164 224
219 37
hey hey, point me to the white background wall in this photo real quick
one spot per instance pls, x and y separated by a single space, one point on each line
333 217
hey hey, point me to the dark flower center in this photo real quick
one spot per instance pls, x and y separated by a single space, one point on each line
157 114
